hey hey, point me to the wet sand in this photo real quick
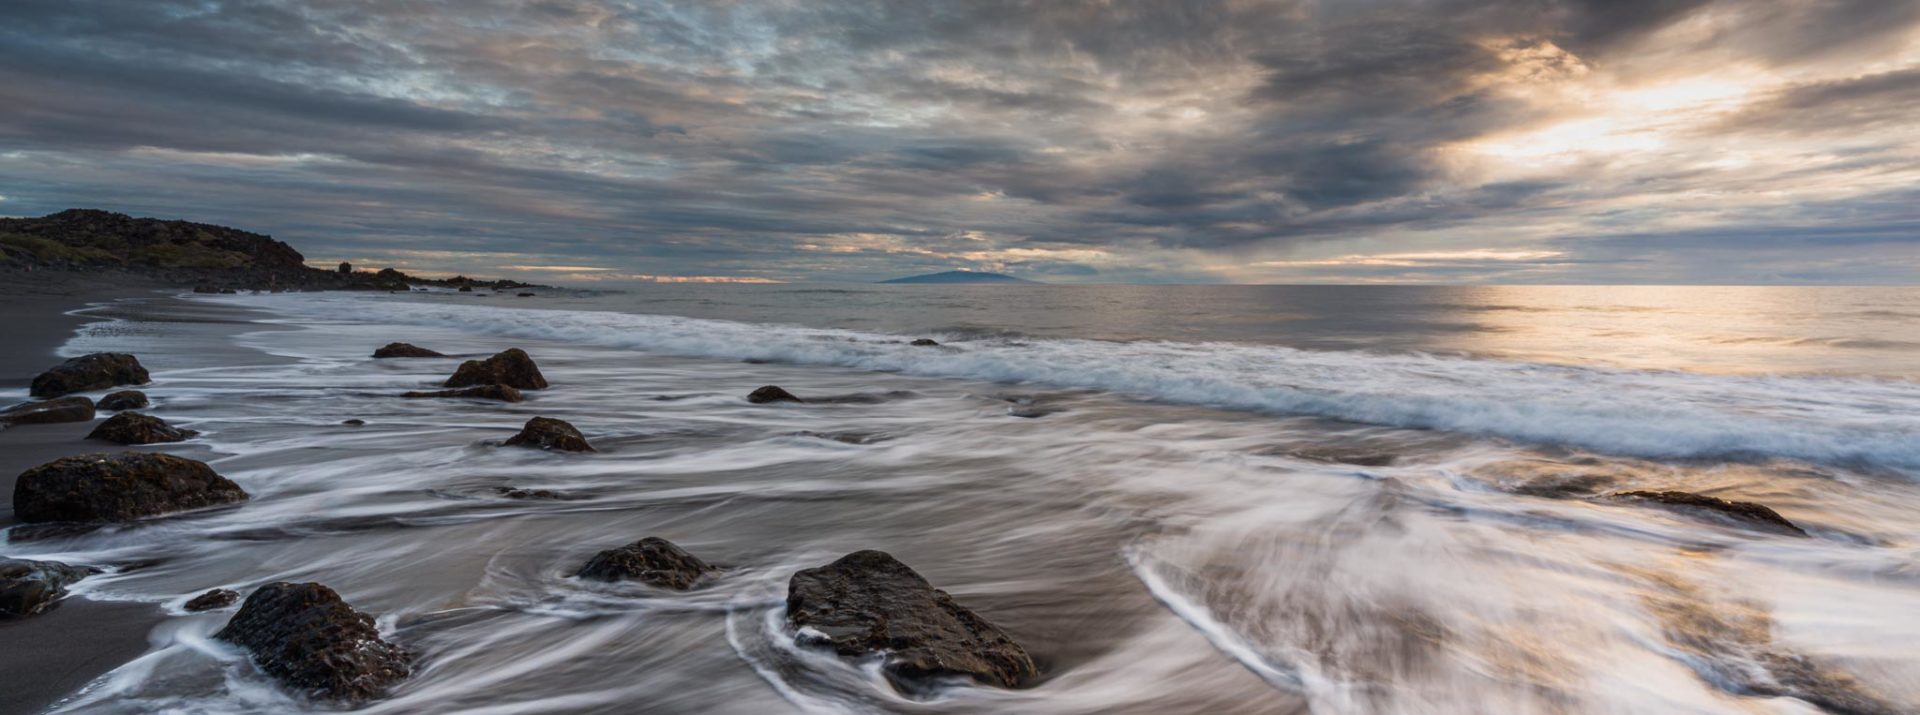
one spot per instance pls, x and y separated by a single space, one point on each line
48 657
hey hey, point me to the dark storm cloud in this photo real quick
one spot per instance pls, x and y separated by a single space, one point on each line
1083 139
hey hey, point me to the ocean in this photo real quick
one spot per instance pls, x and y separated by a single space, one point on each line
1179 499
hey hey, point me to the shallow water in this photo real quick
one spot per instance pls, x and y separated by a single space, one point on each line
1344 507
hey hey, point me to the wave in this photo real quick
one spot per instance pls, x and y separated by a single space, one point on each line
1658 414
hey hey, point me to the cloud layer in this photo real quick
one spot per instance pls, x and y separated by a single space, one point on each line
1067 140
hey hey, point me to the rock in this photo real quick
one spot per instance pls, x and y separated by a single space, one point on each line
310 640
355 422
652 560
404 350
549 433
512 368
1755 514
118 487
31 587
925 343
216 598
771 393
868 602
523 295
90 372
518 493
502 393
122 400
136 428
466 289
64 409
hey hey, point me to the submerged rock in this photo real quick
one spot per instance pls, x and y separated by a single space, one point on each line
512 367
32 587
549 433
90 372
64 409
122 400
216 598
310 640
771 393
652 560
404 350
118 487
1749 512
868 602
136 428
925 343
540 494
503 393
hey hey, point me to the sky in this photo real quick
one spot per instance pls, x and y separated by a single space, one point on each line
1071 141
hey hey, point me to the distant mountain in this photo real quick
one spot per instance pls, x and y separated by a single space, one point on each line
961 277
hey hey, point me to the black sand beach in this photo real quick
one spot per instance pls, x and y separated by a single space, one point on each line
48 657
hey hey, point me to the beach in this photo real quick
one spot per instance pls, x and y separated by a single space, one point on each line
1209 521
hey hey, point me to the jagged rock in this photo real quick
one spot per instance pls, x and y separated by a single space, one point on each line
122 400
310 640
64 409
136 428
652 560
31 587
89 372
404 350
216 598
868 602
771 393
549 433
510 367
502 393
118 487
925 343
1755 514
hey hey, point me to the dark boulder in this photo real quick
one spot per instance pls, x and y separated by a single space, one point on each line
868 602
404 350
466 289
31 587
523 295
549 433
511 367
118 487
216 598
136 428
502 393
355 422
771 393
523 494
310 640
652 560
64 409
1744 511
925 343
90 372
122 400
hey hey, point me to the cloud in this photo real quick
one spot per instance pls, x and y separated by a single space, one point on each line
1077 139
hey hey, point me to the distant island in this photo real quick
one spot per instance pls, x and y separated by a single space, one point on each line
961 277
211 259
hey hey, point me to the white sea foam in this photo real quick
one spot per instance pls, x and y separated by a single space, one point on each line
1660 414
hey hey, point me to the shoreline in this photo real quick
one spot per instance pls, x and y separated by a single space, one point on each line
91 638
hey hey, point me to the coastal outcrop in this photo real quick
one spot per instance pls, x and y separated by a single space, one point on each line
31 587
1748 512
136 428
313 642
869 602
925 343
89 372
551 434
652 560
62 409
212 599
404 350
511 367
771 393
503 393
122 400
96 488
